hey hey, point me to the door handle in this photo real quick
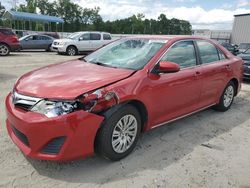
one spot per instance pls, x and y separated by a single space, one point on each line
228 67
197 73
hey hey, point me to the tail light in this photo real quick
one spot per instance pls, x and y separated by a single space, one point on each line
14 39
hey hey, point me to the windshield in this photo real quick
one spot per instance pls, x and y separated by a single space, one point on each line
74 36
126 53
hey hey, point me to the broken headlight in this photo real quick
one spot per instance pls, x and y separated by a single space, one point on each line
54 108
98 100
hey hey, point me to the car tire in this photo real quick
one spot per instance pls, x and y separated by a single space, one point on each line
71 51
4 49
226 98
119 133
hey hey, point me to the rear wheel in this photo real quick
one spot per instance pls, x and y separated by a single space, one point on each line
119 134
71 51
226 98
4 50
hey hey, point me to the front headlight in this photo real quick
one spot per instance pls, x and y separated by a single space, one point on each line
62 43
54 108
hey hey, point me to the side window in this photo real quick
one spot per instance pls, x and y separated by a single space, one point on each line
208 52
221 55
45 38
182 53
85 36
95 36
106 37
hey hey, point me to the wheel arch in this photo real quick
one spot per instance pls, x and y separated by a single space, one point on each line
6 44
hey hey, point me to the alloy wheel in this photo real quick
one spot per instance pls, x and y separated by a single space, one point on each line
4 50
124 133
71 51
228 96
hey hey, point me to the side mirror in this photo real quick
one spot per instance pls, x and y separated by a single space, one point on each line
81 38
168 67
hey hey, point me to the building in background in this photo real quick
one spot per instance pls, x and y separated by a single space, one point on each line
241 29
219 35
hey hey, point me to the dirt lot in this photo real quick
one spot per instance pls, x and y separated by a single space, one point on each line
208 149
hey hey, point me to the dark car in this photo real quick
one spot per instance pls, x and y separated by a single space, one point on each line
8 41
246 58
230 47
243 47
36 41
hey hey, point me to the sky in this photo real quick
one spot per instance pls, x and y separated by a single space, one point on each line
202 14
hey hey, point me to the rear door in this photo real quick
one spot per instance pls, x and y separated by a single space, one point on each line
96 40
215 70
46 41
176 94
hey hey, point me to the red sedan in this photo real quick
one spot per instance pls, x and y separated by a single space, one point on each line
101 103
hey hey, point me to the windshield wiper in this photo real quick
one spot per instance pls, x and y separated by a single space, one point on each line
102 64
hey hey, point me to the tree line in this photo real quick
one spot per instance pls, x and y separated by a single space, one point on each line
79 19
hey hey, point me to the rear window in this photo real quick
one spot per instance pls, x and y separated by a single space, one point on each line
6 32
106 37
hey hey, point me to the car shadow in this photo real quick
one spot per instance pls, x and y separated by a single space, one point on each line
156 149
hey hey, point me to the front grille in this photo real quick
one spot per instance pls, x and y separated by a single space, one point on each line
247 69
54 146
21 136
24 102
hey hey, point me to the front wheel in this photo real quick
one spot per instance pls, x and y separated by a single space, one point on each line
119 134
226 98
71 51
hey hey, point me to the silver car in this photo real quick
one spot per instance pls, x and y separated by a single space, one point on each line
36 41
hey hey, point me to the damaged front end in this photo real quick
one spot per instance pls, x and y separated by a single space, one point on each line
98 100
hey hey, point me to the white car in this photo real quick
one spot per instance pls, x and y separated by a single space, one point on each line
81 42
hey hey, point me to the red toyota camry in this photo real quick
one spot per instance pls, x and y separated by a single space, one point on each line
103 102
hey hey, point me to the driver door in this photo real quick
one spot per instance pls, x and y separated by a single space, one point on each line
84 43
176 94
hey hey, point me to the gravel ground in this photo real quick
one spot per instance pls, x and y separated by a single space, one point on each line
208 149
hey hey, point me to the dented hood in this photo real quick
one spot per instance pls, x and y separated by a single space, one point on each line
68 80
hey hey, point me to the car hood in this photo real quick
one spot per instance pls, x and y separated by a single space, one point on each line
68 80
63 40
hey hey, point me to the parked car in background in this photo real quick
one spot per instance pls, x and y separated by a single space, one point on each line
102 102
243 47
8 41
81 42
51 34
246 58
36 41
230 47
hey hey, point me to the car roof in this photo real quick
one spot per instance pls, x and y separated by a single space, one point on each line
36 34
168 37
92 32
